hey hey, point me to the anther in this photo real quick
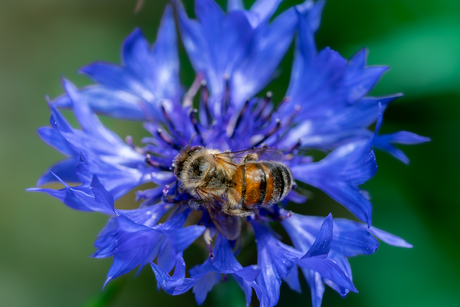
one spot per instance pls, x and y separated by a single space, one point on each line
283 102
270 133
129 141
149 161
167 139
297 109
294 147
166 190
267 100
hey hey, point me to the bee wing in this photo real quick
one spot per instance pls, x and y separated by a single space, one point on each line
228 225
226 162
264 153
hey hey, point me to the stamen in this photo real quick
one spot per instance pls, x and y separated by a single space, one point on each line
294 147
191 93
156 164
168 140
297 109
166 189
129 141
208 240
283 102
145 109
270 133
288 125
194 121
267 100
240 117
165 114
171 126
226 100
204 91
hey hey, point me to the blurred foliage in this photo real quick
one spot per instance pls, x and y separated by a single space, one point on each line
45 246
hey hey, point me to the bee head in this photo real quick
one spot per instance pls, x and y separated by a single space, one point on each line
182 157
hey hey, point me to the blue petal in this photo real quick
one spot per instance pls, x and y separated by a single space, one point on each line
148 216
224 260
389 238
315 259
165 58
117 77
133 244
78 198
177 284
343 263
351 239
334 110
314 11
384 142
180 239
204 285
119 104
359 79
53 138
100 194
316 285
249 273
323 241
292 279
63 169
265 9
193 40
246 287
118 180
268 47
148 78
329 270
232 45
339 175
233 5
276 260
136 55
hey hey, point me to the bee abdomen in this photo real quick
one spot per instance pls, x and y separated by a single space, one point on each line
263 183
281 183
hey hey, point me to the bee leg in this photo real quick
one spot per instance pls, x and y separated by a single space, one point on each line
182 189
252 157
195 204
242 212
177 188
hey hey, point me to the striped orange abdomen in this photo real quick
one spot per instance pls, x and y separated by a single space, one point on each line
261 183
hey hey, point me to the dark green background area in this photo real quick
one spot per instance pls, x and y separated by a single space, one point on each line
45 245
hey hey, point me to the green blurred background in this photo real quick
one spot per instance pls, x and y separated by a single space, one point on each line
45 245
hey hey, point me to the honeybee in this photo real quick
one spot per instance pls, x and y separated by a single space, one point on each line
232 184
